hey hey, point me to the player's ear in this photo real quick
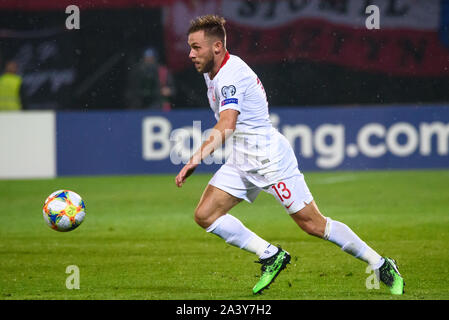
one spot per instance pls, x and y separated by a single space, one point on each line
218 45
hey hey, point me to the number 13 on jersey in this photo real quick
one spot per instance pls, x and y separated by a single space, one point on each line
282 191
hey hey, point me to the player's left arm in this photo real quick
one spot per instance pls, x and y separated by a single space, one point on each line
221 131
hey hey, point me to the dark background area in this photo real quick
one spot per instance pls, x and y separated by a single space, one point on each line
98 57
101 51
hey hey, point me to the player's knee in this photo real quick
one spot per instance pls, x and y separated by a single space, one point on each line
202 217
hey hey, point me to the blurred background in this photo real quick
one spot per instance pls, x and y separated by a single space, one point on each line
115 81
99 97
306 52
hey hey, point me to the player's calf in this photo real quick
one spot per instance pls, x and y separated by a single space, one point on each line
310 220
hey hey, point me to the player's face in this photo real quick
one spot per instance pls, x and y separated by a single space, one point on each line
201 51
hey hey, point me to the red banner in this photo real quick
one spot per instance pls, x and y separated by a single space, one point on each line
397 52
405 45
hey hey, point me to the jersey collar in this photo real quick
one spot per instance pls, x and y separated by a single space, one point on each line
226 58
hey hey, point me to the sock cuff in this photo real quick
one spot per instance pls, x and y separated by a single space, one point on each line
216 223
327 229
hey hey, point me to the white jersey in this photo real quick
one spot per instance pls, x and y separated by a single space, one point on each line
237 87
257 147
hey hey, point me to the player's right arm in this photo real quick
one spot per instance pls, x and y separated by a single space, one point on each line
221 131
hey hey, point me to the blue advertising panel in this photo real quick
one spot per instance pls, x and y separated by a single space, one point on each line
144 142
122 142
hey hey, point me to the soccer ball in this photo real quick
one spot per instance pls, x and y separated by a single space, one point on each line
64 210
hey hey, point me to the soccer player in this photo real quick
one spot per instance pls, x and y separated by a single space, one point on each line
261 159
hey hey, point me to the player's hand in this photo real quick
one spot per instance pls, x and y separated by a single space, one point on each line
185 172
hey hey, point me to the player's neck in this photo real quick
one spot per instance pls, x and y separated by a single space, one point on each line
220 62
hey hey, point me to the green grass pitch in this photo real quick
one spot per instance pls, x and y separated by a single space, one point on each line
139 239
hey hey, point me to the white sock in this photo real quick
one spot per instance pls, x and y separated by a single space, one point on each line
340 234
260 247
232 230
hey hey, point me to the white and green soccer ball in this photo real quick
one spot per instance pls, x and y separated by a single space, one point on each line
64 210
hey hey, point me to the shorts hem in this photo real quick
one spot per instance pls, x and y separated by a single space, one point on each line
301 206
230 191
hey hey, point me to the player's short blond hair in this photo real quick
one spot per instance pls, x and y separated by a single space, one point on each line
212 25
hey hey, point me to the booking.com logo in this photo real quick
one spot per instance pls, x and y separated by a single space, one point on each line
328 144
